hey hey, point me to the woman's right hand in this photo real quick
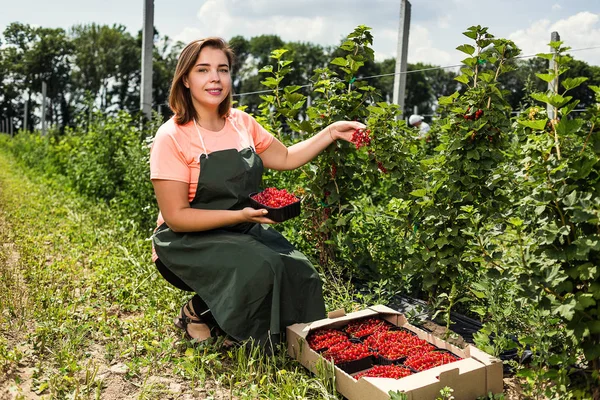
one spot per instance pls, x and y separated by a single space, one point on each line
257 216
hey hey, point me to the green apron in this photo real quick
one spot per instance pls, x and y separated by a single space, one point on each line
252 279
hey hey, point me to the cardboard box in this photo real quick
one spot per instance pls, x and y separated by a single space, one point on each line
475 375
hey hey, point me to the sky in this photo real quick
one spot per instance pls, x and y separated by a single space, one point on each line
435 29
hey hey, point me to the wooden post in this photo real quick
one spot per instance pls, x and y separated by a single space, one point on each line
402 55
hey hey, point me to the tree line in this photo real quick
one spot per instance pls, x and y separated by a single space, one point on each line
97 67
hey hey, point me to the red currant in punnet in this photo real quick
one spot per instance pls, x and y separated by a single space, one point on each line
422 361
366 327
347 351
385 371
275 198
323 339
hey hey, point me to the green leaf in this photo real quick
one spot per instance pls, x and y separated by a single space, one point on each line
571 198
536 125
266 68
466 48
595 88
473 154
471 61
546 56
486 76
566 110
419 192
568 127
339 61
306 126
591 351
271 82
445 100
540 97
567 311
467 71
539 210
558 100
462 79
571 83
546 77
471 33
594 326
584 300
291 88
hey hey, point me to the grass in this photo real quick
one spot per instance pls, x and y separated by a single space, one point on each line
82 297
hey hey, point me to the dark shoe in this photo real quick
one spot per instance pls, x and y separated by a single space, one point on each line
188 318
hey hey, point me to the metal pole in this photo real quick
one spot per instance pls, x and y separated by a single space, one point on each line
553 85
402 54
147 46
44 88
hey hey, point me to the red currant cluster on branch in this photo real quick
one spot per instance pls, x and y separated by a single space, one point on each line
275 198
361 138
473 116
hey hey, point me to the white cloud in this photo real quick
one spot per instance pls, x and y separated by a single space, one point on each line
556 7
577 31
422 49
215 19
444 21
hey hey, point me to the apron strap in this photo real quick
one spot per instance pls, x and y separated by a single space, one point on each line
201 140
248 137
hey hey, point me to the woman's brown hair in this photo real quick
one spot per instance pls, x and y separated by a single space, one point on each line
180 99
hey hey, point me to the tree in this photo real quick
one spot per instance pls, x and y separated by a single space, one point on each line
165 61
103 57
258 56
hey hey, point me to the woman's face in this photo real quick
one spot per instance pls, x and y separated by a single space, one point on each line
209 80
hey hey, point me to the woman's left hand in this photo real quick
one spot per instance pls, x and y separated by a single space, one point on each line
344 129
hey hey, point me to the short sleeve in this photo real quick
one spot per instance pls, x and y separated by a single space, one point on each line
167 159
262 138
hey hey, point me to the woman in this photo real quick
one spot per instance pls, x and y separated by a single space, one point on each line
249 281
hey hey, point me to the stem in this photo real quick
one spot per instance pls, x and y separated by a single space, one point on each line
555 119
489 103
521 248
556 140
486 254
587 138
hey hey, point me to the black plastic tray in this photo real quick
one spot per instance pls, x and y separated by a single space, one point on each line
381 360
278 214
351 367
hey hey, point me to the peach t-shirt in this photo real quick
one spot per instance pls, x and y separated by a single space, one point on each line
176 148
